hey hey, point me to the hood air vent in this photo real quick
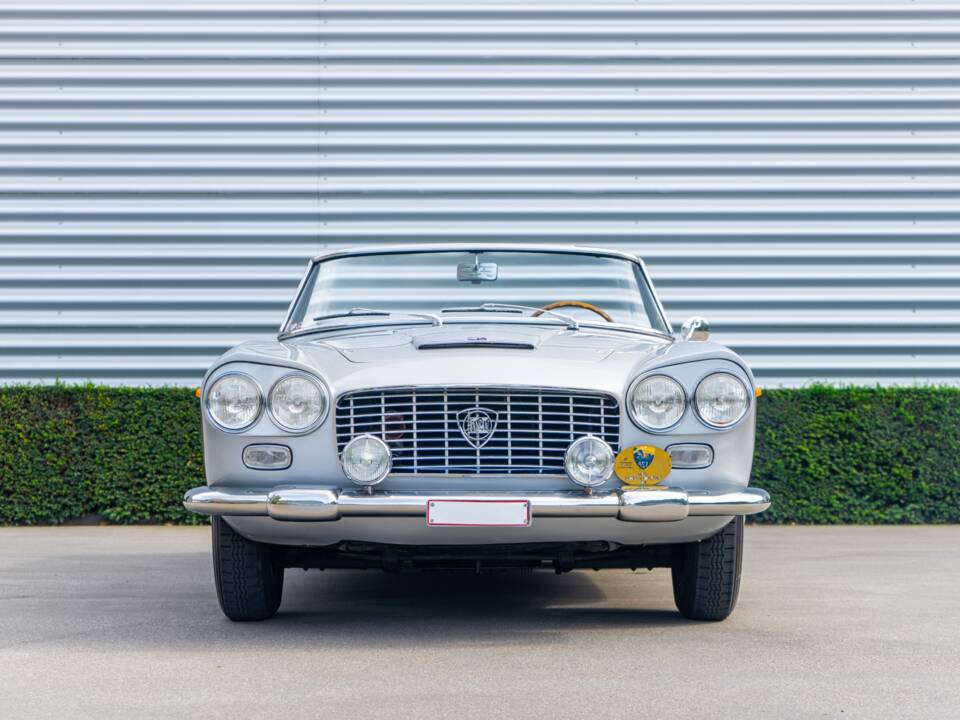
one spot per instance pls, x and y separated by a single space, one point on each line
476 339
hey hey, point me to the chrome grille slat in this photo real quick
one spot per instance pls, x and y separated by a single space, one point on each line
534 427
509 428
440 416
477 396
446 439
415 421
540 426
471 460
552 401
560 431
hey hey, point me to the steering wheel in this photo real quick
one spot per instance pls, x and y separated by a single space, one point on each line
577 304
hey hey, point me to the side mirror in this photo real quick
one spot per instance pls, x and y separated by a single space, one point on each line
696 329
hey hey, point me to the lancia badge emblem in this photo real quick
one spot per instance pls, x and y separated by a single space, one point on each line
477 425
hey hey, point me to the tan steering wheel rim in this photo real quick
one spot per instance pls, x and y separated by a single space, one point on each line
574 303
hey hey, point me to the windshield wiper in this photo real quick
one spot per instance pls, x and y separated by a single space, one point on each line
482 308
370 312
352 312
570 321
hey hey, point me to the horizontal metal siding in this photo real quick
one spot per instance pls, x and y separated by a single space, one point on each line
789 170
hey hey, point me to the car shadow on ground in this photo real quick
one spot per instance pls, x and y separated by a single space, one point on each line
451 607
168 600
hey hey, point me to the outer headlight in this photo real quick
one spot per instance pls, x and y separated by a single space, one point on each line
721 399
234 401
366 460
657 402
297 402
589 461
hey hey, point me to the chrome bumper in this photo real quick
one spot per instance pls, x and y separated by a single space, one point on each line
304 504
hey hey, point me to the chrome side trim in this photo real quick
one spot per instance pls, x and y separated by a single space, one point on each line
308 504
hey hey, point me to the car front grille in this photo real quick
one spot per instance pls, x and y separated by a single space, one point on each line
477 430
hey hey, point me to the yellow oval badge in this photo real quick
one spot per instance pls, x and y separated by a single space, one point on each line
643 465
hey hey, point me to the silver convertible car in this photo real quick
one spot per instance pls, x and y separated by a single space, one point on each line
478 408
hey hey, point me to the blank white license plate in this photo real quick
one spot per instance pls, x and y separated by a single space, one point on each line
478 513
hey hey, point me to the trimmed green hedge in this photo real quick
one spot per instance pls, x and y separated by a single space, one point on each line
860 455
827 455
127 454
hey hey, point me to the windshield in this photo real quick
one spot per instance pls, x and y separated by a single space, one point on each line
363 289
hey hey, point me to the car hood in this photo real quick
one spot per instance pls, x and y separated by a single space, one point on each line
542 343
480 354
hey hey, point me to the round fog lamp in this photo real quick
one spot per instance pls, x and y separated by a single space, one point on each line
366 460
589 461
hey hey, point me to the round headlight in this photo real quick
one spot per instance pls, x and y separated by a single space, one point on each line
657 402
234 402
722 399
297 402
366 460
589 461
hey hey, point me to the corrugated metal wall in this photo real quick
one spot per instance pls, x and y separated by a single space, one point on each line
790 170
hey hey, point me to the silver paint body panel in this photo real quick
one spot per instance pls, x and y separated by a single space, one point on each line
593 359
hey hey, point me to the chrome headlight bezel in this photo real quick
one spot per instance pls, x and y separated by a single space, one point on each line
261 403
380 477
324 397
747 405
569 460
632 414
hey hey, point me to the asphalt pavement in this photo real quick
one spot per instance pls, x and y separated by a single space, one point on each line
833 622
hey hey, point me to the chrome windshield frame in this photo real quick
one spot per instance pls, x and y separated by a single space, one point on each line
526 320
487 247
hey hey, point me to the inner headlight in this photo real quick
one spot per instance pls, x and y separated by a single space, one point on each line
366 460
234 402
657 402
722 399
297 402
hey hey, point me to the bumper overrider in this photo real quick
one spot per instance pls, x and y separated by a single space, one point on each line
310 504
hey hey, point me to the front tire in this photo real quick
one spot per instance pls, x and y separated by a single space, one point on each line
248 575
706 574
